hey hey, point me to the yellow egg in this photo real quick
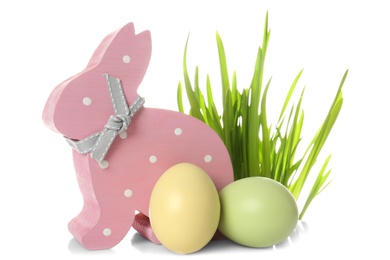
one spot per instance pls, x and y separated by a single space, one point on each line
184 208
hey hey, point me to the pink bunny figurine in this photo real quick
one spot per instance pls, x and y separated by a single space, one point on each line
120 148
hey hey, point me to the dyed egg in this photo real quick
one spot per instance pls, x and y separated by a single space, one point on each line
184 208
257 212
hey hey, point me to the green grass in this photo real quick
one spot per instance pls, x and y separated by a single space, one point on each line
256 148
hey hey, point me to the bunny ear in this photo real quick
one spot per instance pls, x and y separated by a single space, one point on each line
128 29
127 57
101 49
97 56
124 54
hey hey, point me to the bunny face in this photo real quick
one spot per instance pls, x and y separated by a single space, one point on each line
81 105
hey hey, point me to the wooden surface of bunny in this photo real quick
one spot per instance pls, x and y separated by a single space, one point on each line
121 148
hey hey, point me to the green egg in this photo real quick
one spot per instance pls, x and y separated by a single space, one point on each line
257 212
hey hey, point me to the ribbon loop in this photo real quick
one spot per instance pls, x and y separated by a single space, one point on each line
99 143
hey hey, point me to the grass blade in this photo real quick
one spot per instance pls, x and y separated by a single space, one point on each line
317 187
319 139
252 124
289 94
265 163
195 108
180 98
223 68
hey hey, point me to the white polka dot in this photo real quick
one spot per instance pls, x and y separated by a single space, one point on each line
107 232
208 158
87 101
128 193
178 131
126 59
103 164
153 159
123 135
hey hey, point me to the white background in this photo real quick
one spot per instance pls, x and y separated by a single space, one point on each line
44 42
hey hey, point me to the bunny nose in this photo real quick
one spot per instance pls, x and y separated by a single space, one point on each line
118 123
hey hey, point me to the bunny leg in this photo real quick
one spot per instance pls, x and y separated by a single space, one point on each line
142 226
101 231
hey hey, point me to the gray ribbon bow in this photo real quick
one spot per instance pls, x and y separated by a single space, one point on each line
99 143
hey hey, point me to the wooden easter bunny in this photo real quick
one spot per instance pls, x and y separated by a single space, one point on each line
121 148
